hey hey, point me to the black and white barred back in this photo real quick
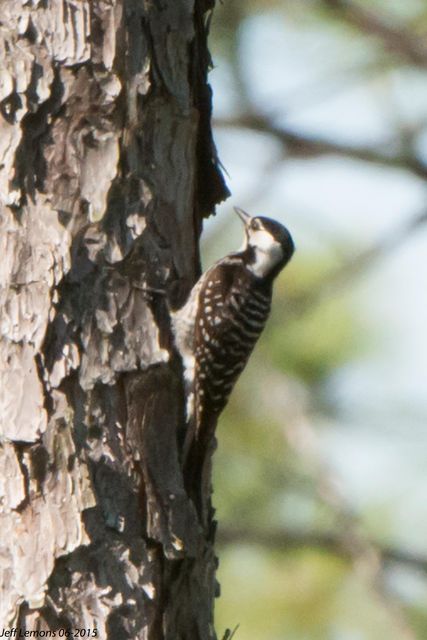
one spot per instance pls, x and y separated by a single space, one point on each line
216 330
232 310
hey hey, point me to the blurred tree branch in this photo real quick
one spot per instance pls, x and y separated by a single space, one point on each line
302 146
399 41
340 545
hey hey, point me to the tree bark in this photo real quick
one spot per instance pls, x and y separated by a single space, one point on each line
107 168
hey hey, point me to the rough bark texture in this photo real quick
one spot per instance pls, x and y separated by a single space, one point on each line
106 169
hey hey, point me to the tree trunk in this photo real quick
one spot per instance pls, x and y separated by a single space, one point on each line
107 169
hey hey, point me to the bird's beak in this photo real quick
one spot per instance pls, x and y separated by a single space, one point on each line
244 217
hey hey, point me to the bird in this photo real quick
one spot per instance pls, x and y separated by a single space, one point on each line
218 326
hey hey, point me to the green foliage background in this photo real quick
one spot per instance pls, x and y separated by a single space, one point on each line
298 559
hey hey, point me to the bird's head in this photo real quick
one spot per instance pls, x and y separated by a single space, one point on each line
268 244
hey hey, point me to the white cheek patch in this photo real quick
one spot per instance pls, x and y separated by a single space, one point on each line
268 252
262 239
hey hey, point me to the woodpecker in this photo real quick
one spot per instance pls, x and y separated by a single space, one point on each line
217 328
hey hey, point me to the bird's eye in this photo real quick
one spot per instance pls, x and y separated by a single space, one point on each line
255 225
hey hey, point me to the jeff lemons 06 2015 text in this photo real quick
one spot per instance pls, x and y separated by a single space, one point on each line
17 632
